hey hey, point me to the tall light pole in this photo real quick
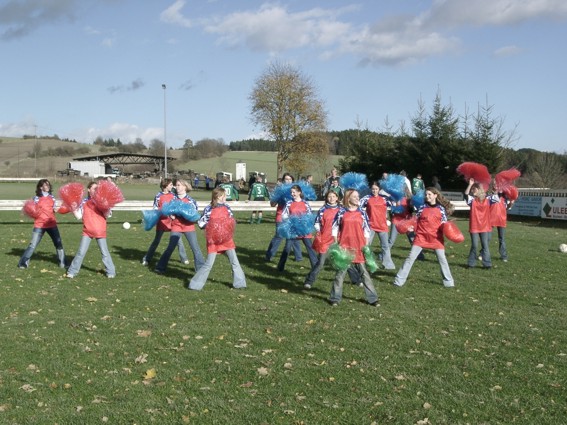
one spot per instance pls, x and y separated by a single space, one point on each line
164 133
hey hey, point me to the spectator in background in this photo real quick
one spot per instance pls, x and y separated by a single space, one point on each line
417 184
329 181
435 183
231 191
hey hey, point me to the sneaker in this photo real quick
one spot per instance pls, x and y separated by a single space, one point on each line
360 284
144 262
186 262
69 276
505 260
23 267
307 286
375 304
111 276
334 304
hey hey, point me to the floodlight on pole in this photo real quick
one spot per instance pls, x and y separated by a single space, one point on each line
163 86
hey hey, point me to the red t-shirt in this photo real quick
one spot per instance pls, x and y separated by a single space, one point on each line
498 213
94 221
377 211
164 222
324 239
46 217
351 232
479 220
429 230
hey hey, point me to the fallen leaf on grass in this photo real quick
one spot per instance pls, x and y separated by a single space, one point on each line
141 358
150 374
143 333
263 371
247 384
27 388
91 299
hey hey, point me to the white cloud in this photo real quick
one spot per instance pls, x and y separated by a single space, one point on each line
507 51
172 15
451 13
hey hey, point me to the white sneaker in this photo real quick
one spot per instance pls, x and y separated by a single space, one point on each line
144 263
186 262
307 286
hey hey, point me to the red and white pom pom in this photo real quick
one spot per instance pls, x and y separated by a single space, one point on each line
452 232
107 195
220 232
505 183
30 209
71 195
476 171
405 225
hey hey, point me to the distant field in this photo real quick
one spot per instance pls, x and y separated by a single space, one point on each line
16 160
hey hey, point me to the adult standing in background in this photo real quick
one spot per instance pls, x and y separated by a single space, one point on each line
329 181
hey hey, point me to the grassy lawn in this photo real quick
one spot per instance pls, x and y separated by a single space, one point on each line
143 349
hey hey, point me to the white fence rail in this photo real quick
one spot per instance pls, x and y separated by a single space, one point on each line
16 205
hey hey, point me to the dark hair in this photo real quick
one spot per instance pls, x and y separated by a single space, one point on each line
298 189
40 183
164 183
284 175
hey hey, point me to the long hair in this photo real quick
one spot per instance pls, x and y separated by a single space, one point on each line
480 193
40 183
441 200
330 192
215 195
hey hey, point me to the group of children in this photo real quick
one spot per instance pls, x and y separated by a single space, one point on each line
349 225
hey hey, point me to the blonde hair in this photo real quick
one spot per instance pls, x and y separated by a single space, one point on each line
480 193
185 183
346 198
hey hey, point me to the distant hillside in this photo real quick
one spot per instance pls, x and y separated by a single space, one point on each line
17 159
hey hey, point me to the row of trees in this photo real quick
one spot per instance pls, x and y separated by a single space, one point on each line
285 105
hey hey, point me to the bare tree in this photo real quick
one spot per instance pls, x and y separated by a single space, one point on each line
545 170
285 104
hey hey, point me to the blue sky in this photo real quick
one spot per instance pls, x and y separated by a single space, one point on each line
87 68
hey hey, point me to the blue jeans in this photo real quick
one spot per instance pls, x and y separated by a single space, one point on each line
200 278
385 256
173 242
369 290
289 244
152 249
275 244
37 234
484 238
80 256
501 242
312 275
403 273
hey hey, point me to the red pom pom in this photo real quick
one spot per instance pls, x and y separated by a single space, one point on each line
219 232
72 194
452 232
64 209
30 209
476 171
511 192
404 225
107 195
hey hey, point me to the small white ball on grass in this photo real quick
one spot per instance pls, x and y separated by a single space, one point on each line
563 247
126 225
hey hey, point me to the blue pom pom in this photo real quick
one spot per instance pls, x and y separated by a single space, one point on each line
418 199
281 193
395 185
356 181
180 208
151 217
296 226
398 209
308 191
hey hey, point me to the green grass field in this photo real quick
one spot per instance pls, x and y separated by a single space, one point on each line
142 349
